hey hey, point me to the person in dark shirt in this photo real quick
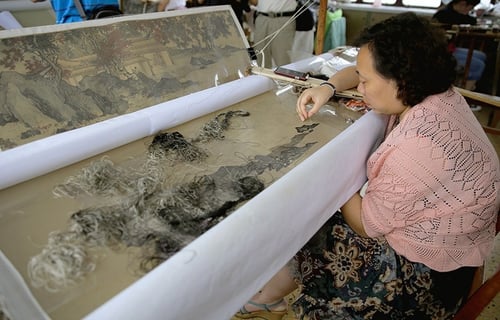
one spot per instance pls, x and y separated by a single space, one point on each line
457 12
238 6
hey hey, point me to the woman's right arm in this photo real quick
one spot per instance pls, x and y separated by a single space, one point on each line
344 79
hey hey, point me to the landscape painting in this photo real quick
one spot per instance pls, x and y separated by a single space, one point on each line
51 82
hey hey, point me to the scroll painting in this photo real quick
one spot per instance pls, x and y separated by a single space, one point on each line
58 78
148 198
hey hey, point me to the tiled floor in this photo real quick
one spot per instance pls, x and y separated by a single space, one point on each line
492 312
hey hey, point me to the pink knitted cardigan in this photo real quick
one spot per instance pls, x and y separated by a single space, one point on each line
433 186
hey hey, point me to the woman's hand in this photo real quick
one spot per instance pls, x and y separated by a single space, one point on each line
318 96
344 79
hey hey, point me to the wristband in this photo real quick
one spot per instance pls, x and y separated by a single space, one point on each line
326 83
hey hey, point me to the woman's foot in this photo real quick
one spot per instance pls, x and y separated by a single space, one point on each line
277 306
266 311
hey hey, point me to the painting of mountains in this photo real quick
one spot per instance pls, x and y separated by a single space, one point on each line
51 82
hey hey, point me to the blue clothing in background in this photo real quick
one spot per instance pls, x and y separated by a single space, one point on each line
477 63
66 11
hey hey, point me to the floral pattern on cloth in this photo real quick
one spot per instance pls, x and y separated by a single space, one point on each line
345 276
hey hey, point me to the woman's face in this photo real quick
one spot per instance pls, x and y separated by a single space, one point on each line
378 92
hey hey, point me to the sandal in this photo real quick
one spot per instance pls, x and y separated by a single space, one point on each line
265 314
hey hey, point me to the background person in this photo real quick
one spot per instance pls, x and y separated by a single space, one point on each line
408 248
457 12
238 6
167 5
66 11
271 19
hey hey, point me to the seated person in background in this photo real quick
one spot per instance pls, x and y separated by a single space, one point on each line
167 5
409 247
456 12
66 11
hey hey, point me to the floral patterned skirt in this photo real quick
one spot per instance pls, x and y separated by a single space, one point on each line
344 276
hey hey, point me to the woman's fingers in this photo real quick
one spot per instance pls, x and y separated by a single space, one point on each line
302 102
316 96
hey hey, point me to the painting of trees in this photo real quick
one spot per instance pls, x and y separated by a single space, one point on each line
63 79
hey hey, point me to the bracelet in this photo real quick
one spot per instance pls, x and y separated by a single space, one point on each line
326 83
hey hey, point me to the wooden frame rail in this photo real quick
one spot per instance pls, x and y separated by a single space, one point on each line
309 83
485 100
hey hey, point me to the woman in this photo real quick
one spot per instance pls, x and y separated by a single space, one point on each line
409 247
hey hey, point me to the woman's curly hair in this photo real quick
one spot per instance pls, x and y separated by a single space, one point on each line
412 52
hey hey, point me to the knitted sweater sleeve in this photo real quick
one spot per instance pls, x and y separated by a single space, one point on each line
404 190
433 188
